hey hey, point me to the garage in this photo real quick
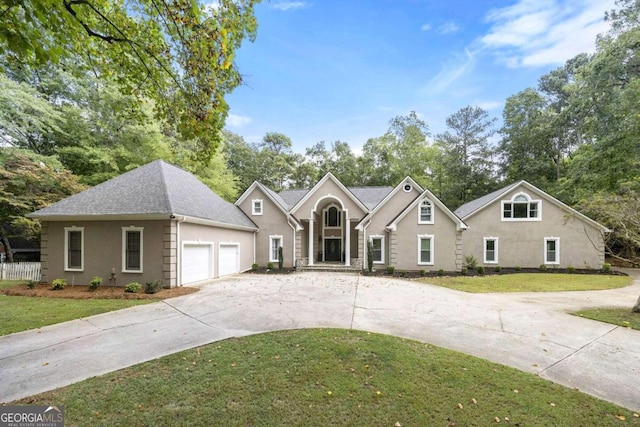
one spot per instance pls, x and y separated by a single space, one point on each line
229 259
197 262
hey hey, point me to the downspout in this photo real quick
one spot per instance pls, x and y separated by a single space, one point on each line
293 252
178 250
365 252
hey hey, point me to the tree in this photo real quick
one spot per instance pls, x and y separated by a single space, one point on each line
467 155
177 52
29 182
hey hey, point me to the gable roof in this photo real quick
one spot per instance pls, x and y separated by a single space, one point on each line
291 197
371 196
387 196
460 225
471 208
273 196
329 177
155 189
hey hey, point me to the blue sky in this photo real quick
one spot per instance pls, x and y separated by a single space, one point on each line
341 69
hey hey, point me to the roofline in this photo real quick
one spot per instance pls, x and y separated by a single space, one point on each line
263 188
204 221
460 224
504 190
324 179
394 191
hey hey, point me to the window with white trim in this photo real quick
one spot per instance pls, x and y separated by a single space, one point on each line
521 208
490 250
275 242
552 250
425 212
332 217
377 249
132 249
74 249
256 207
425 249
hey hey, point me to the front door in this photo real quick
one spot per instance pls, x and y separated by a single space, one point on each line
333 250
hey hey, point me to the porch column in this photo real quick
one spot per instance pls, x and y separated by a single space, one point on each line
347 241
310 241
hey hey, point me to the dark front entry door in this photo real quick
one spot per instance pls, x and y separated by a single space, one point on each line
333 250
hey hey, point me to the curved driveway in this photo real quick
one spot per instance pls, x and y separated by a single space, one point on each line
529 331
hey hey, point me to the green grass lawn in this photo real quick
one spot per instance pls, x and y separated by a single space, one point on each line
530 282
23 313
326 377
616 316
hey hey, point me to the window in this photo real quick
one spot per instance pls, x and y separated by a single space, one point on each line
377 245
332 217
425 250
256 207
74 248
552 250
521 208
275 242
490 250
132 249
425 212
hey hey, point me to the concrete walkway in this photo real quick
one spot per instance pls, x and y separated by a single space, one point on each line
529 331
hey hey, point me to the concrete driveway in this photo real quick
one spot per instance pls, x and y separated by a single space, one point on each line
529 331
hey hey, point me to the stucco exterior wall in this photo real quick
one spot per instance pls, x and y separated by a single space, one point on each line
272 222
103 251
326 192
521 243
198 232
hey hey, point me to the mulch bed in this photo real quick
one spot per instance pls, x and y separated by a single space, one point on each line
103 292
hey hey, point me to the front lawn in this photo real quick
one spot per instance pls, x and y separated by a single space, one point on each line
326 377
616 316
531 282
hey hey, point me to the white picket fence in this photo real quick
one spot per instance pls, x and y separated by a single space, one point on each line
20 271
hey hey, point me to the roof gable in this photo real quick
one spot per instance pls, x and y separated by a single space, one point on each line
329 177
156 188
277 200
460 225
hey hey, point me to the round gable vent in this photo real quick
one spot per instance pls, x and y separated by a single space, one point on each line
407 187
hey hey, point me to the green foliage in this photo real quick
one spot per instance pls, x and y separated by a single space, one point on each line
480 269
423 273
255 266
269 266
280 258
463 271
571 269
543 267
58 284
517 268
370 256
31 284
391 269
152 287
95 282
497 269
470 262
606 267
441 272
132 287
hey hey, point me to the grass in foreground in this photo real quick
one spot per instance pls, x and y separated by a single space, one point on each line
616 316
326 377
531 282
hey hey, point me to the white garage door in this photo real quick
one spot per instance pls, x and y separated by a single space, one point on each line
197 262
229 259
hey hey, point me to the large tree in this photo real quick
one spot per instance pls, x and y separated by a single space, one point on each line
178 53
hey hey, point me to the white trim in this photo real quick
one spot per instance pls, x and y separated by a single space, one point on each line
382 243
212 254
406 187
426 194
66 248
406 180
431 238
557 250
237 245
528 202
124 248
271 239
495 250
431 215
314 189
255 203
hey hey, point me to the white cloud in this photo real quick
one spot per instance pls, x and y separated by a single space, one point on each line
425 27
236 121
534 33
448 28
288 5
490 105
450 73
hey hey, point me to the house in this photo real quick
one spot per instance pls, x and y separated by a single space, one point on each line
156 222
521 225
161 222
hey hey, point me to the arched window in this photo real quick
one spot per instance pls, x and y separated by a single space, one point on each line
521 207
332 217
425 212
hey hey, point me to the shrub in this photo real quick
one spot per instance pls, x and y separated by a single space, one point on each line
58 284
95 282
270 266
480 269
423 273
441 272
496 269
571 269
464 271
403 273
280 258
606 267
518 268
132 287
255 266
391 269
152 287
543 267
470 262
31 284
370 256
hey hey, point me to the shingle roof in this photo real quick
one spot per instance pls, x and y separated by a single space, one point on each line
371 196
155 188
476 204
291 197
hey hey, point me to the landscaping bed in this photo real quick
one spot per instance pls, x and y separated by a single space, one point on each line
83 292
